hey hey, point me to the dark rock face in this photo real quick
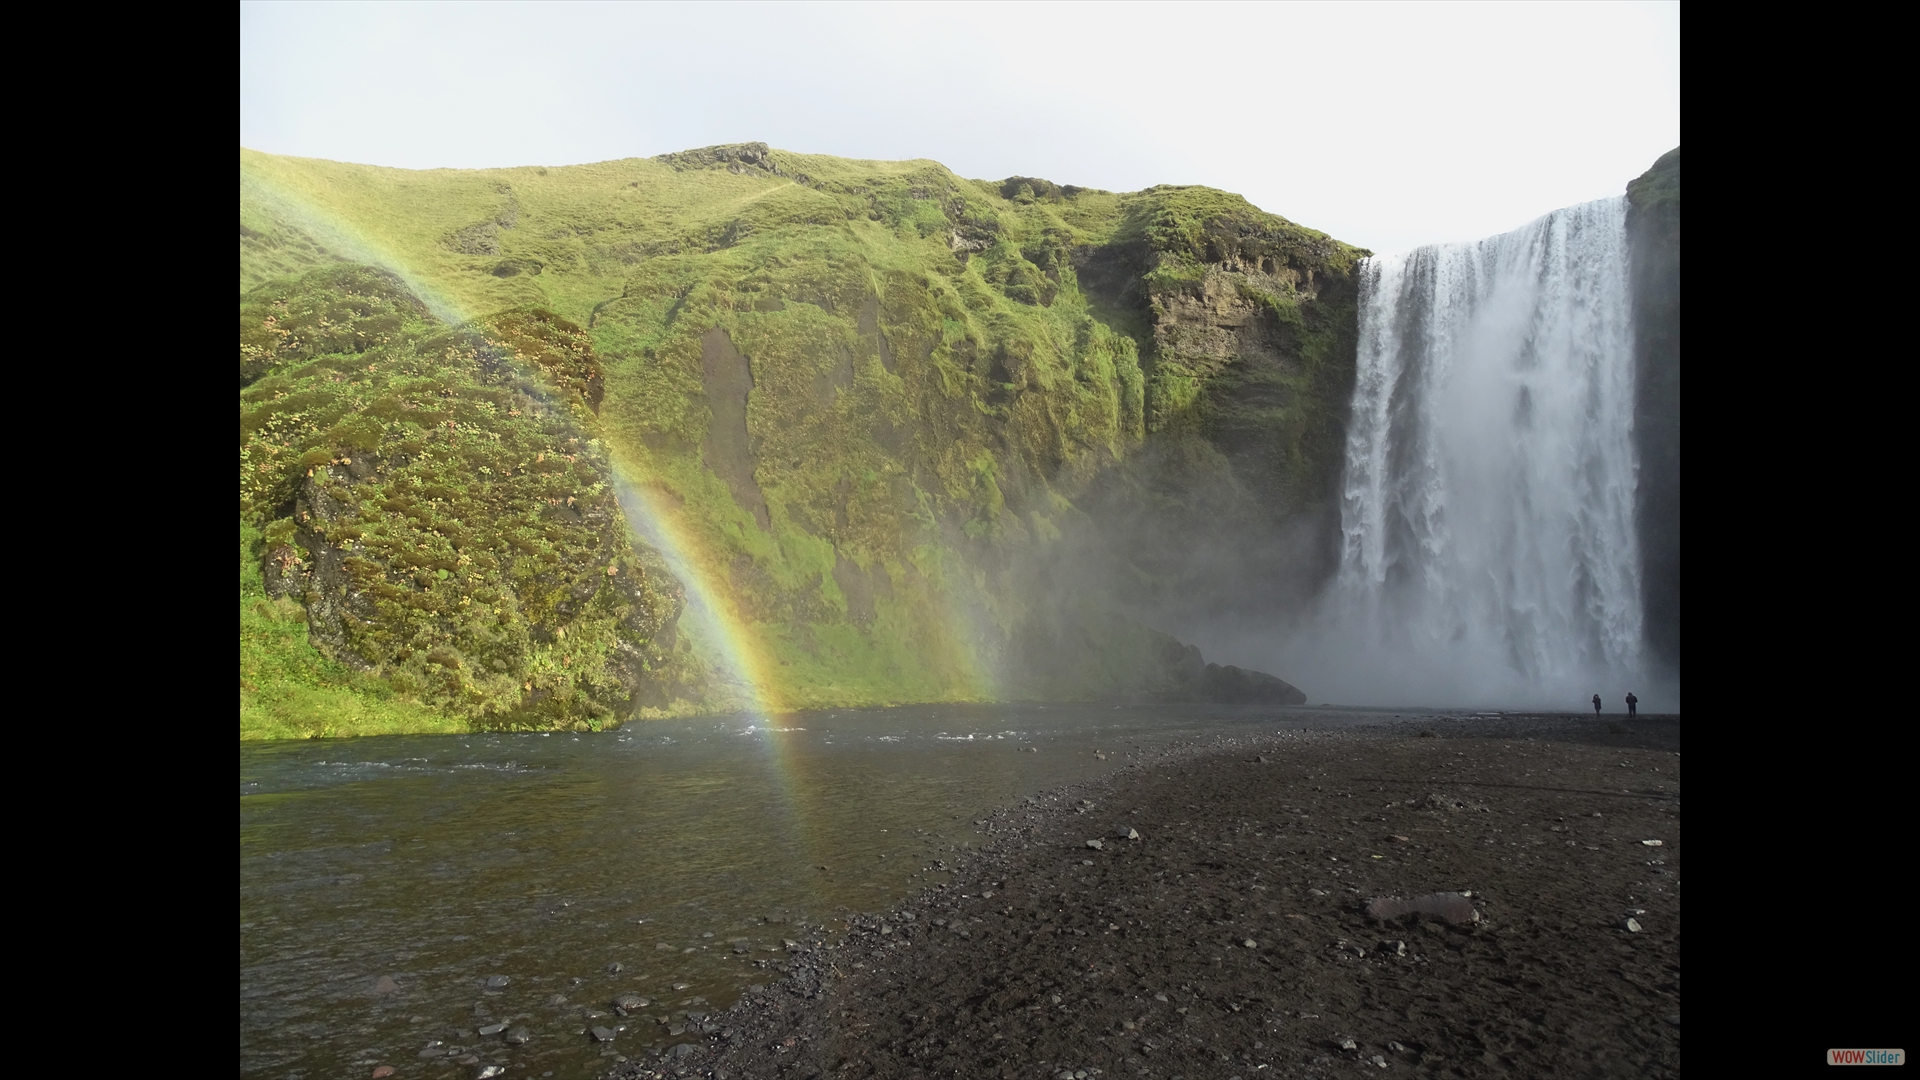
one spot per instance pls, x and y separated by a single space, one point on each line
1230 685
1653 231
1231 506
737 158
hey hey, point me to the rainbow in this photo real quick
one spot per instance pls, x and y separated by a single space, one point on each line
718 635
741 657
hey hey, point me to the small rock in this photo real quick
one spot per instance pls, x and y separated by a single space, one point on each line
1249 944
1632 925
557 1000
683 1050
1094 844
1395 948
382 1072
519 1036
1654 843
497 981
491 1071
1396 1048
630 1002
1378 1060
603 1034
1347 1043
614 968
433 1052
1637 911
493 1029
385 985
1086 862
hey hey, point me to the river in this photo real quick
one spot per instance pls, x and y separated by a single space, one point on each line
400 894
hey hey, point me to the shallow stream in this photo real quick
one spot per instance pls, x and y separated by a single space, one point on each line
401 895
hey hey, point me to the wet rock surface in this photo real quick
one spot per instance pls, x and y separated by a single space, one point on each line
1234 937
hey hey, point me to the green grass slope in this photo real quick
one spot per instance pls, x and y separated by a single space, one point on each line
869 408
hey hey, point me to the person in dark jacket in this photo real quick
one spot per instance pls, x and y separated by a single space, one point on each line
1631 703
1596 704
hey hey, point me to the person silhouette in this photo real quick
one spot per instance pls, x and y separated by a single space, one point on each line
1596 704
1631 702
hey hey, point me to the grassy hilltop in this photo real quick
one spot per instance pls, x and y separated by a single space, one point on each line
912 437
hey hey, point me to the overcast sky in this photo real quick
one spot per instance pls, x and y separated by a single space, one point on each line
1386 125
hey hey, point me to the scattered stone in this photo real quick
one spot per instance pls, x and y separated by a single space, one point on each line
1396 948
1654 843
1378 1060
494 1029
1086 862
1128 834
491 1071
557 1000
519 1036
741 946
630 1002
382 1072
603 1034
495 982
615 968
1632 925
1347 1043
385 985
1249 944
1094 844
1397 1048
433 1052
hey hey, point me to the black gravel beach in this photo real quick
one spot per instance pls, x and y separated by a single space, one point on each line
1229 910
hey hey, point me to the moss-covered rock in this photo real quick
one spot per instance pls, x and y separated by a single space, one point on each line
442 508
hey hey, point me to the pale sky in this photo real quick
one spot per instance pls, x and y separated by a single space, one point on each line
1387 125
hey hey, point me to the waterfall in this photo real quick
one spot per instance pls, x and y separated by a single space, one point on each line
1489 552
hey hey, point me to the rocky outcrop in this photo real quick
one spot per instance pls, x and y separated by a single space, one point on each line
1231 506
741 159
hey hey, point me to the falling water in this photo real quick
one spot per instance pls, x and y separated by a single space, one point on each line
1489 547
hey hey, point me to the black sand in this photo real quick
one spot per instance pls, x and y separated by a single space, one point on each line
1231 939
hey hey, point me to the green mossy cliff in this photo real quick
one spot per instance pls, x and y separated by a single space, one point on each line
911 437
